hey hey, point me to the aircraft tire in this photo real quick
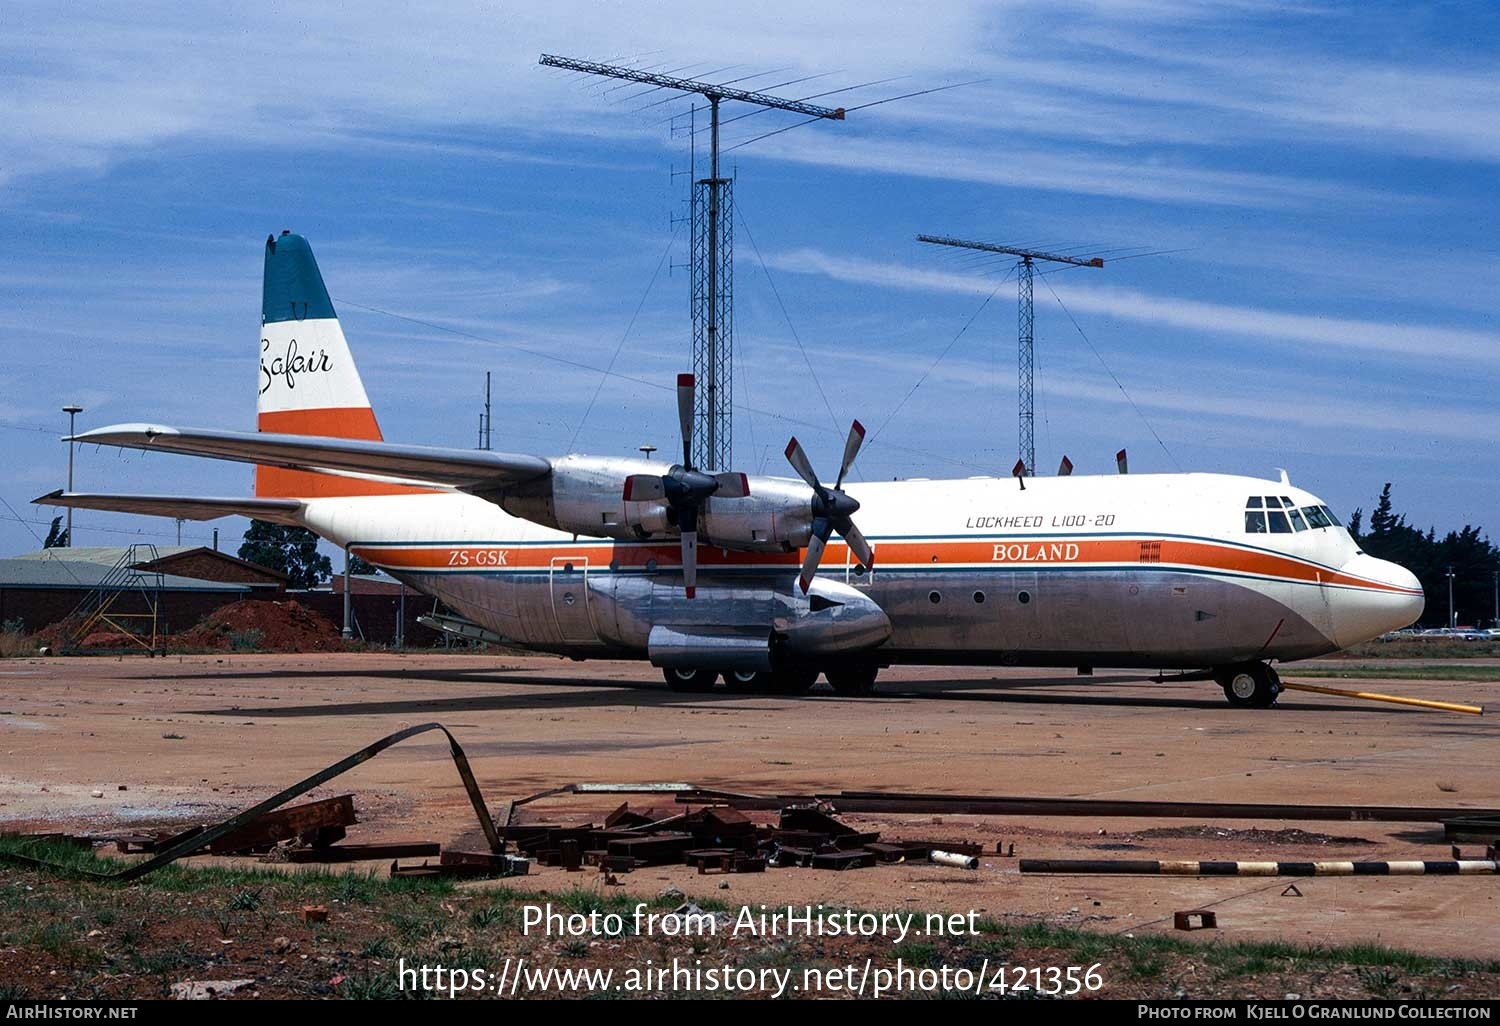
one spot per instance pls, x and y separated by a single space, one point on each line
747 682
689 681
854 681
1250 685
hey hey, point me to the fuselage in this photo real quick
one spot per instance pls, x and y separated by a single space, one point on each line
1158 571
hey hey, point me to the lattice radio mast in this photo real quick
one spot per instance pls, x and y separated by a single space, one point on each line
712 255
1025 322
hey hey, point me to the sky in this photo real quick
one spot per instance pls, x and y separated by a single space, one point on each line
1295 204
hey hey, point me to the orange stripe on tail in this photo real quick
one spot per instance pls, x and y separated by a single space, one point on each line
344 422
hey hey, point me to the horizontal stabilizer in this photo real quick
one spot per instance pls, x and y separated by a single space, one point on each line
178 507
468 469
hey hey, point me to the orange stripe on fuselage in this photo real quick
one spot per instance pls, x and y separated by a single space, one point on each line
1010 554
341 422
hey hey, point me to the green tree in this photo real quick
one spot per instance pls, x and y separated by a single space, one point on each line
359 566
57 535
289 550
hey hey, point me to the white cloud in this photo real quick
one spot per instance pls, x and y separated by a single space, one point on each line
1419 342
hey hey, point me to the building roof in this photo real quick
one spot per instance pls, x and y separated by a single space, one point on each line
162 556
172 554
109 555
84 576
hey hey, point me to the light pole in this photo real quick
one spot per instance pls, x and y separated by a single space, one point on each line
72 410
1452 616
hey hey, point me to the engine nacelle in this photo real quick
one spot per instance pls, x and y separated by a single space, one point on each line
775 516
585 495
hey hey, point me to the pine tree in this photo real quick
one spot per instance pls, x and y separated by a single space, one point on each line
1381 520
57 535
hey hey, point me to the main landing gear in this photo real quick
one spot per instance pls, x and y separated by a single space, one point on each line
849 681
1249 685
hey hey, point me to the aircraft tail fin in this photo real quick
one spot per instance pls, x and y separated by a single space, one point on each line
309 384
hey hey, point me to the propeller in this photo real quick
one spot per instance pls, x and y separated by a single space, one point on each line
1121 463
684 488
1065 468
832 509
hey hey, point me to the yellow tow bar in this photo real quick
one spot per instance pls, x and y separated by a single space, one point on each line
1375 696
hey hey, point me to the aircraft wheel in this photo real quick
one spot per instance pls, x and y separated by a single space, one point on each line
690 681
853 681
749 682
1250 685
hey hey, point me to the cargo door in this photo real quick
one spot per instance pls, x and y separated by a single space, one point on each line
570 599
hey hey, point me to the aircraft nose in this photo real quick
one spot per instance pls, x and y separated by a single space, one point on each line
1380 596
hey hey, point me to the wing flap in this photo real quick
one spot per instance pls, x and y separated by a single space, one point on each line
179 507
456 468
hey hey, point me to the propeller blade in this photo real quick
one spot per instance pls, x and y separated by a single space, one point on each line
798 459
820 530
690 562
1065 468
851 449
732 486
857 544
644 488
685 390
1121 462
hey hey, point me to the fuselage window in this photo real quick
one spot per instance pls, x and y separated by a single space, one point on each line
1315 517
1279 524
1272 502
1254 502
1296 518
1335 521
1255 522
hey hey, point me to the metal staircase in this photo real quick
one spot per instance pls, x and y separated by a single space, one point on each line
103 605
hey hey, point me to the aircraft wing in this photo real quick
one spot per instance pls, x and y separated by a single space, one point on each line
179 507
467 469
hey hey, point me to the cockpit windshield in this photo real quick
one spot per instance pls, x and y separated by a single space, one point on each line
1277 514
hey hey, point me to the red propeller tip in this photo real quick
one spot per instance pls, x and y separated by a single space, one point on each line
805 584
684 381
691 592
859 429
791 446
627 490
1119 455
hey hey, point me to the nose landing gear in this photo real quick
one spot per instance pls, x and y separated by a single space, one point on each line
1249 685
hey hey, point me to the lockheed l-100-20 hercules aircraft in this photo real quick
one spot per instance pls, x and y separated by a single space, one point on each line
739 576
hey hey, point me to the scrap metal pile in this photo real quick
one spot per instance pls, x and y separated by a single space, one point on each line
719 839
311 833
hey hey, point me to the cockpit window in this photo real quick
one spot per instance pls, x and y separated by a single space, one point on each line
1278 514
1316 517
